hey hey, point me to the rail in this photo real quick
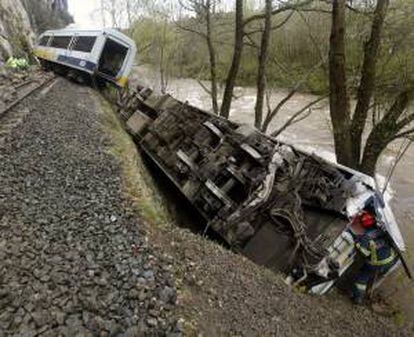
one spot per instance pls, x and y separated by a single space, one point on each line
16 102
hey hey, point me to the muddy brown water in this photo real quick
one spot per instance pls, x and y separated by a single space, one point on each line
314 134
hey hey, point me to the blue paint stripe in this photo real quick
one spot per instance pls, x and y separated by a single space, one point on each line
74 61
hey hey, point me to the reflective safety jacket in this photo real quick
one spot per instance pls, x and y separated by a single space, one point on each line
374 245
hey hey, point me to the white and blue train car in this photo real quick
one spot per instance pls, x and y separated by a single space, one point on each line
105 54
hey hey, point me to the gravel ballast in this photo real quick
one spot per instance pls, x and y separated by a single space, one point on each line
73 259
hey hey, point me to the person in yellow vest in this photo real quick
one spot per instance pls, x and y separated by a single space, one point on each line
377 251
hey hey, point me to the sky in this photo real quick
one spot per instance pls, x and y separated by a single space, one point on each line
85 13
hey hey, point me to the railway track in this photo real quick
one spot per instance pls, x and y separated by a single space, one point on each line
13 114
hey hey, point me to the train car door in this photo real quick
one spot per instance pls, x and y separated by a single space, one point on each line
112 58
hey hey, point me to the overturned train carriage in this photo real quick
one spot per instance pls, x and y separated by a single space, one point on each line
282 208
104 55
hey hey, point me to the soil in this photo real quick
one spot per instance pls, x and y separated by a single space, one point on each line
224 294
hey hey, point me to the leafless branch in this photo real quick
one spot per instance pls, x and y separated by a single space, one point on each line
276 11
275 111
298 116
405 134
253 44
316 44
274 27
405 121
351 8
201 84
188 29
316 10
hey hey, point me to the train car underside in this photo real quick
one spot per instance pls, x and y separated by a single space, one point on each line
282 208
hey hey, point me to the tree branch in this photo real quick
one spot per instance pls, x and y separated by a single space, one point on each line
203 35
316 45
351 8
405 121
405 134
277 11
201 84
368 72
274 112
273 28
294 118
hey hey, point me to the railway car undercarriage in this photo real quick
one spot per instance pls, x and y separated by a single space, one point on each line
282 208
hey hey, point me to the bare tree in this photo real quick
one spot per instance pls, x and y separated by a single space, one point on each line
235 63
348 131
263 56
367 85
212 54
298 116
204 10
241 24
161 63
338 98
112 8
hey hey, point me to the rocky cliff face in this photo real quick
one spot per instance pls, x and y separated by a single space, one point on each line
22 20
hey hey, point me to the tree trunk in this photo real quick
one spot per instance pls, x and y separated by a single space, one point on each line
235 64
376 143
162 65
338 96
384 132
367 84
212 54
370 158
263 56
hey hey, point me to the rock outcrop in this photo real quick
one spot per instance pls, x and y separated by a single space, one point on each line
21 20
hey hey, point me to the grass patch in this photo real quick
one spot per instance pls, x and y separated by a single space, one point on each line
136 180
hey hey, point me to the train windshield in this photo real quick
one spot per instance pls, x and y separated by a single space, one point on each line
112 58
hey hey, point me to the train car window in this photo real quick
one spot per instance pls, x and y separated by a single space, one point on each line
44 40
112 58
61 42
84 43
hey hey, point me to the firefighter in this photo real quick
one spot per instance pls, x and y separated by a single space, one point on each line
373 245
